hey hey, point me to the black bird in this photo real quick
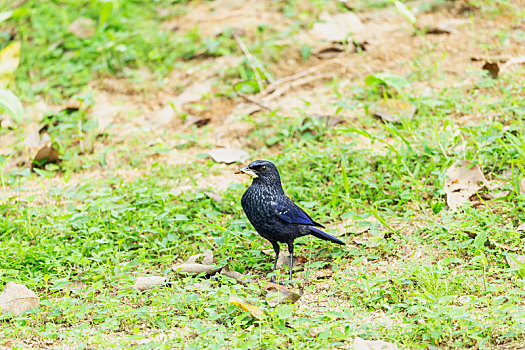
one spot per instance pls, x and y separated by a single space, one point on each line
273 215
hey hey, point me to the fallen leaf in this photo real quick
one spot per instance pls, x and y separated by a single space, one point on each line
243 304
228 155
438 29
239 277
392 111
46 155
337 28
500 65
463 181
198 122
330 51
516 261
361 344
521 227
278 294
147 283
191 266
164 116
284 258
39 147
17 298
492 68
82 28
9 60
522 186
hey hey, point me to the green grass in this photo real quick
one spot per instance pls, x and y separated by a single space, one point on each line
425 281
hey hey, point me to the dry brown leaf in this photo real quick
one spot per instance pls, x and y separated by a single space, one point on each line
147 283
438 29
228 155
47 154
361 344
243 304
392 111
331 51
17 298
515 261
493 69
39 147
337 28
195 269
197 121
284 258
463 181
191 266
497 66
278 294
9 60
82 28
522 186
239 277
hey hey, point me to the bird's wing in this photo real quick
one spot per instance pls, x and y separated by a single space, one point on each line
291 213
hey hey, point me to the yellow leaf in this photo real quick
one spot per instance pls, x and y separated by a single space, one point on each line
243 304
9 60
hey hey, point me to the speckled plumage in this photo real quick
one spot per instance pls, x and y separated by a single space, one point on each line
273 215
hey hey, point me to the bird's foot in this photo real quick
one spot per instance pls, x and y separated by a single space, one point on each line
282 283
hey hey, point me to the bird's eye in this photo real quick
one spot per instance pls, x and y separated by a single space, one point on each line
263 168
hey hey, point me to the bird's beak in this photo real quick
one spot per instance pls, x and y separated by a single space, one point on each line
247 171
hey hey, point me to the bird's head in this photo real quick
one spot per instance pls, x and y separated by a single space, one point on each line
262 171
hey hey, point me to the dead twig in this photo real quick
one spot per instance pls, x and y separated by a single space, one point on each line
251 99
273 86
253 63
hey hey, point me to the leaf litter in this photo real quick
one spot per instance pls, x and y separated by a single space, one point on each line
278 294
17 298
147 283
463 180
39 148
246 306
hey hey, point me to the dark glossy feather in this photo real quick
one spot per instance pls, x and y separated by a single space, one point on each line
291 213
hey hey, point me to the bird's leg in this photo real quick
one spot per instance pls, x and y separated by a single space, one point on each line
276 250
290 250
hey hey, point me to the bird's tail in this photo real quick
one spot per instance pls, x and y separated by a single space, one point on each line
314 231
